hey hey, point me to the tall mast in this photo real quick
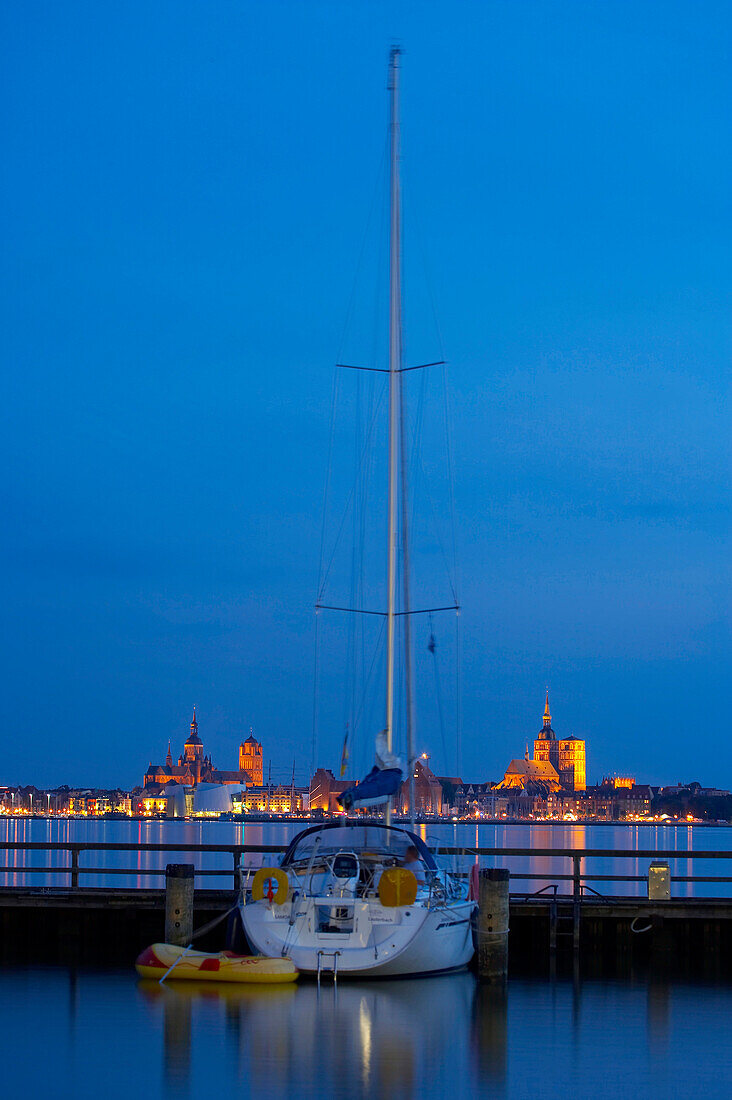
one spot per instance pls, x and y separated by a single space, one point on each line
395 355
402 414
408 687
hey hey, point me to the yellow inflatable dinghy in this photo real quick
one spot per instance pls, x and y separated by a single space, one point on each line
205 966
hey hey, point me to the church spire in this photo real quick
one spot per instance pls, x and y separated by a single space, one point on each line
547 715
194 723
169 757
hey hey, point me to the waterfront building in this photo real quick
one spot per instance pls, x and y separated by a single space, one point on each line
63 801
631 802
152 800
480 800
95 803
194 766
593 804
324 791
280 799
567 755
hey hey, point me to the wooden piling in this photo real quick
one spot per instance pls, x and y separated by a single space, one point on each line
493 924
179 903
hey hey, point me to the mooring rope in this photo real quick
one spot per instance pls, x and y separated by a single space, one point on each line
199 932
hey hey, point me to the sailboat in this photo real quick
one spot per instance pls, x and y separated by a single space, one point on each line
356 899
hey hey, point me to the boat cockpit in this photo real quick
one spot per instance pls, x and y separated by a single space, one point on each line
347 861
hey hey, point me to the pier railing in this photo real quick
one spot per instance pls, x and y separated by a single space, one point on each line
74 865
578 879
72 868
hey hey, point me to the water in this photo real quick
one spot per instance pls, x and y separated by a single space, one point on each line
106 1033
630 838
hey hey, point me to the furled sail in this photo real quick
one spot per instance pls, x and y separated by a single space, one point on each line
382 782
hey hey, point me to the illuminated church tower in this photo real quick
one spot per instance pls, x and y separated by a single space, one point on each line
567 755
193 748
194 766
250 760
546 746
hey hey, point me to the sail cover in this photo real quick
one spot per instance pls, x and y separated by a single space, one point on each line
383 781
378 786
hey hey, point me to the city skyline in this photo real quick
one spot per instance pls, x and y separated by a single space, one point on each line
186 195
566 752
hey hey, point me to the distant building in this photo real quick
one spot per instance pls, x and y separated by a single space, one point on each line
482 799
567 755
537 777
324 790
250 760
94 803
427 790
195 767
631 802
280 799
152 800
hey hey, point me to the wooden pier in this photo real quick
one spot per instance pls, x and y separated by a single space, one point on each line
566 923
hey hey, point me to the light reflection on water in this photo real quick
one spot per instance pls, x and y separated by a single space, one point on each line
539 835
442 1037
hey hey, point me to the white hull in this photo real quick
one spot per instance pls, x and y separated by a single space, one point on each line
411 940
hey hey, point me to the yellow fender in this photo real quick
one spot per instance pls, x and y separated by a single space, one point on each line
263 875
397 886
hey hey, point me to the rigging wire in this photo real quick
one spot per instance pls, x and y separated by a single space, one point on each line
326 492
367 482
432 647
322 580
316 693
456 590
364 695
438 535
355 650
447 420
328 469
367 414
416 462
351 635
458 696
378 190
321 590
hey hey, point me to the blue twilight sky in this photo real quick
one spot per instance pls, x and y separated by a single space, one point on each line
185 190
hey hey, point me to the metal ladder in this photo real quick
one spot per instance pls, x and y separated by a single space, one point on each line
565 911
322 969
564 920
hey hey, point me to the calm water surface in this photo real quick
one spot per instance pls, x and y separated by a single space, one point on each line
90 1033
74 1032
630 838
